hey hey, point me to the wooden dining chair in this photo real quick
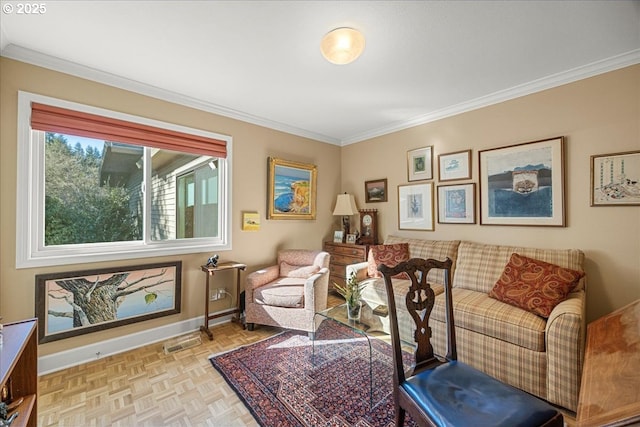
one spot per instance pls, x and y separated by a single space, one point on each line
441 391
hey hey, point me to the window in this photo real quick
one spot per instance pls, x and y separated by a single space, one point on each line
98 185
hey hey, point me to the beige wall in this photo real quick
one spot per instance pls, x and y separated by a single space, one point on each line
251 147
596 115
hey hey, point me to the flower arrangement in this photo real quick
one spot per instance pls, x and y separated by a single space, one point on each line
351 291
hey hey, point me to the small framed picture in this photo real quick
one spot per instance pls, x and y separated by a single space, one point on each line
615 179
454 166
457 204
375 191
338 236
250 221
420 163
351 239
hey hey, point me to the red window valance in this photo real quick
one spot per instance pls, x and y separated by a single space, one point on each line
61 120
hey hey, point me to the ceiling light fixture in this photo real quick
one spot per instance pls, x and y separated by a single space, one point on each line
342 45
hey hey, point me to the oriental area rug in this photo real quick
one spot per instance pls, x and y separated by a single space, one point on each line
286 381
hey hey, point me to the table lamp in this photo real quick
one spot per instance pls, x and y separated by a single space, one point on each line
345 206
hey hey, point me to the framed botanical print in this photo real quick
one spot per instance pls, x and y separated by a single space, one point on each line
523 184
457 204
420 163
292 190
415 207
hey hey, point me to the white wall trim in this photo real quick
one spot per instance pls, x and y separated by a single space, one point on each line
599 67
88 353
33 57
555 80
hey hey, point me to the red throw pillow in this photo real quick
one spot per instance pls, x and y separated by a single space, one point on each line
534 285
389 255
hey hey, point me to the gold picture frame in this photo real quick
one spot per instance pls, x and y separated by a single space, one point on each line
291 190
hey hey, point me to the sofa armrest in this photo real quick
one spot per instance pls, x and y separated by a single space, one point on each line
260 278
360 269
565 339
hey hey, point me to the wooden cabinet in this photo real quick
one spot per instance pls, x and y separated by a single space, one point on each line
19 368
343 254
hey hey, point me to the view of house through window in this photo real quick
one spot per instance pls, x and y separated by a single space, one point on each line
95 192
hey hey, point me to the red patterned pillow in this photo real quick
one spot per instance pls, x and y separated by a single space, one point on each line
534 285
389 255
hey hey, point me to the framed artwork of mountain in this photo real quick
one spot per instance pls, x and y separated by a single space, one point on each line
523 184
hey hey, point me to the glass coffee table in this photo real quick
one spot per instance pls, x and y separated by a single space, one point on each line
369 322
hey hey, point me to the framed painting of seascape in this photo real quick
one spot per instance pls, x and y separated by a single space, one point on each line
615 179
79 302
523 184
291 190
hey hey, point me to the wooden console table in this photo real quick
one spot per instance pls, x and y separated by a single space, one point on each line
610 391
211 271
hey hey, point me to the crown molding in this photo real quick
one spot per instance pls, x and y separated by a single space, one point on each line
599 67
554 80
39 59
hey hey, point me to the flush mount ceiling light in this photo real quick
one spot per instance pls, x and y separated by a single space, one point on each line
342 45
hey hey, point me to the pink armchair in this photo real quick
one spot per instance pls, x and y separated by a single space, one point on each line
290 293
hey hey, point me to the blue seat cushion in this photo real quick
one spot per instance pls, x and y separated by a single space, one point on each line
455 394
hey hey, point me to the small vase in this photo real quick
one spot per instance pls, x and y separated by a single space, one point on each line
353 311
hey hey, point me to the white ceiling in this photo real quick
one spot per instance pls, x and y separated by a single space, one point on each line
260 61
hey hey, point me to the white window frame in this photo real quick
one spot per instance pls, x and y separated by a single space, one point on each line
30 249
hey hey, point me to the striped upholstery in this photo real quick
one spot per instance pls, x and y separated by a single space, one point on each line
541 357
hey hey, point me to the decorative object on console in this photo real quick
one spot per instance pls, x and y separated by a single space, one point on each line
454 166
457 204
351 239
375 190
523 184
420 163
338 236
368 227
615 179
345 206
80 302
213 261
415 207
292 190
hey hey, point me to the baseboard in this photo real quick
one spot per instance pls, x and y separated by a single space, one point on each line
68 358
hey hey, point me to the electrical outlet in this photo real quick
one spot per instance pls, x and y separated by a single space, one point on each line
217 293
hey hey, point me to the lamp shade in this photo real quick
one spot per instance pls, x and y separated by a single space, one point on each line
342 45
345 205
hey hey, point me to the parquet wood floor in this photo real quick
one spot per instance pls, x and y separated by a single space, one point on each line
145 387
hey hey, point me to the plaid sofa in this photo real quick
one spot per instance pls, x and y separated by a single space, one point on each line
541 356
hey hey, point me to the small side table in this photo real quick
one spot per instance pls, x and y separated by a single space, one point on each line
211 271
